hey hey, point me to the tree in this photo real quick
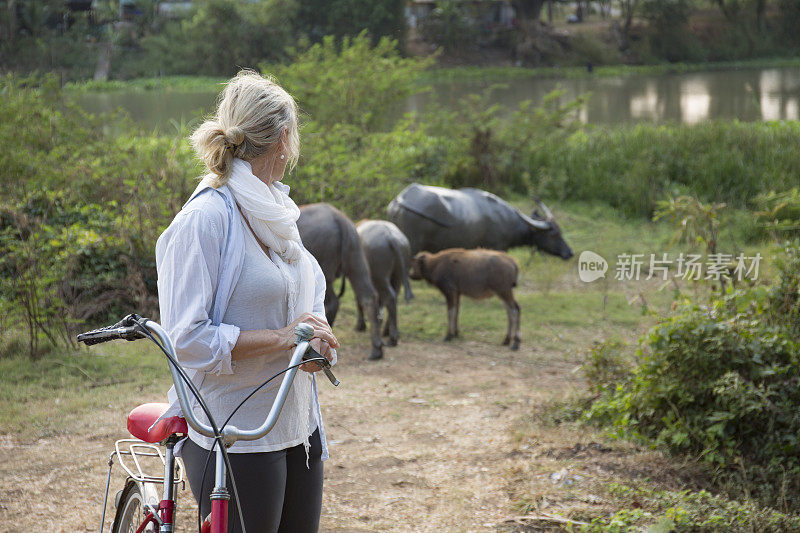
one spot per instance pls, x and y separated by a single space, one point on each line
735 10
528 10
627 9
318 18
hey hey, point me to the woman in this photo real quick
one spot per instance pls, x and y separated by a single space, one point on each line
233 281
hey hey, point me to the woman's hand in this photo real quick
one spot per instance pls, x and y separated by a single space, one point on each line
324 349
322 341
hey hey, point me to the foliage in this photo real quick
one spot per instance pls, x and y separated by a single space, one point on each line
381 18
607 366
683 511
79 222
695 222
489 148
789 20
42 38
720 381
350 82
632 168
217 38
362 173
784 295
471 73
668 31
779 212
62 263
450 26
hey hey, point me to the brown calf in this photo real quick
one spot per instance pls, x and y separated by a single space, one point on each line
474 273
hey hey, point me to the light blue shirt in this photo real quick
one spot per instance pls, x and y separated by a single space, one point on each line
199 260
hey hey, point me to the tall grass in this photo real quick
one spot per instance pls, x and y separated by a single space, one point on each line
633 167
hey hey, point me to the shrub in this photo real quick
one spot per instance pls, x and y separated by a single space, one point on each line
720 381
487 147
82 206
350 81
779 212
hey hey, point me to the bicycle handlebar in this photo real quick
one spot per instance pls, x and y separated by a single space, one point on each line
125 329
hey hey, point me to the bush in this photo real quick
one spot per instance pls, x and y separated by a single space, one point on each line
81 210
486 147
720 381
351 81
779 213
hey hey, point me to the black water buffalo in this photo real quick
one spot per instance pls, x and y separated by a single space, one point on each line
332 239
389 258
434 219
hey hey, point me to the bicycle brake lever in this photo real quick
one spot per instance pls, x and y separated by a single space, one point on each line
311 353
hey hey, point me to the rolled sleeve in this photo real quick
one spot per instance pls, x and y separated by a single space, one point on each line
188 260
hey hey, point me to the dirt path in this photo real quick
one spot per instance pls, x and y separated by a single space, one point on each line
421 441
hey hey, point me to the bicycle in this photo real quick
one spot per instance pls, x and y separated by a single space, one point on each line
138 505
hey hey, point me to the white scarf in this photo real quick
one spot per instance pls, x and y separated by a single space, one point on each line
273 218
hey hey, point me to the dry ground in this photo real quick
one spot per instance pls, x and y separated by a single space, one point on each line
437 436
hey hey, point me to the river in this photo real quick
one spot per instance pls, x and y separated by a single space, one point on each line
746 94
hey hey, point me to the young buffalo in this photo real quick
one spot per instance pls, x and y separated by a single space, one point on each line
475 273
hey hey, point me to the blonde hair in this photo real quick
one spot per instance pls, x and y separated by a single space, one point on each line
252 113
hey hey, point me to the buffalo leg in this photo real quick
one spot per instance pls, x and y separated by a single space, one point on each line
361 324
358 275
512 310
391 318
370 306
331 305
452 315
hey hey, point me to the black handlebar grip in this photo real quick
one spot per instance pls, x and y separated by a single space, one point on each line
124 329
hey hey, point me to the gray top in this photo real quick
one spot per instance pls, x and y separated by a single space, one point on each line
259 301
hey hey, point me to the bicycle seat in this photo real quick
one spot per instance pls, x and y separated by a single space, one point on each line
143 416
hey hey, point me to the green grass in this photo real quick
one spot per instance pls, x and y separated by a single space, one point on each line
60 392
177 83
560 314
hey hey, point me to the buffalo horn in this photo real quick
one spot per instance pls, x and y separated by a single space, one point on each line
538 224
547 214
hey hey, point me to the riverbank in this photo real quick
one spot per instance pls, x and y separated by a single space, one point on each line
450 74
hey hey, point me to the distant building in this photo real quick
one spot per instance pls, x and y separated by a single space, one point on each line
132 9
173 8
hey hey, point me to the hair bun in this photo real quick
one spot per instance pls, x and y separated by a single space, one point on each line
234 136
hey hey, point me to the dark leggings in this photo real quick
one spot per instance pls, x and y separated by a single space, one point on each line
277 490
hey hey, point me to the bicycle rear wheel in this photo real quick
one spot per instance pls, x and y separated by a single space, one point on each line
130 510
